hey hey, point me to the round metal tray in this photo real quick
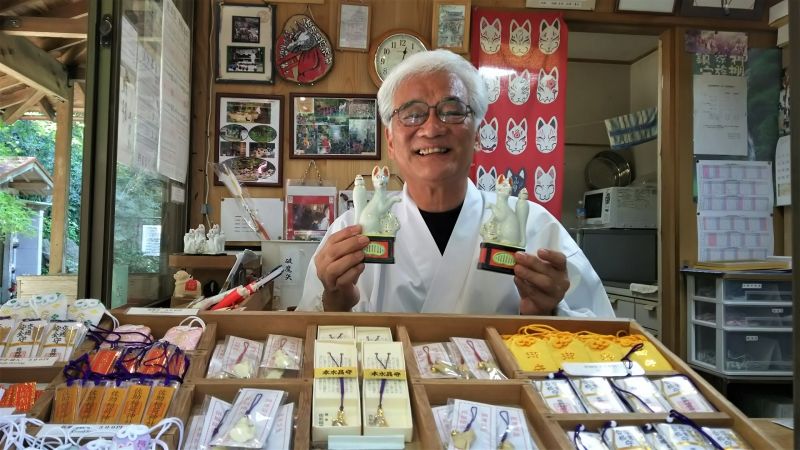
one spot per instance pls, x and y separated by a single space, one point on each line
608 169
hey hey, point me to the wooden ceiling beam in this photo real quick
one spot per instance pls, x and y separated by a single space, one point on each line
16 97
33 66
58 46
47 109
45 27
8 82
11 115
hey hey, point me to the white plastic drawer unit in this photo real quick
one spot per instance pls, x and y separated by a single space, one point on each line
759 353
755 316
753 352
740 323
742 288
705 312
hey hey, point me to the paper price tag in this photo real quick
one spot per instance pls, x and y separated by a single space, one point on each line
602 369
45 361
163 311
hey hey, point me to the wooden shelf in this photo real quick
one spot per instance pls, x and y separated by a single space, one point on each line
180 260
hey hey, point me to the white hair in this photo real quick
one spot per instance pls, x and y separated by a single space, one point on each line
430 62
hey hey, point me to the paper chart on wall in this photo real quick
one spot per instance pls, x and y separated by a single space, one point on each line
270 210
734 210
783 173
720 115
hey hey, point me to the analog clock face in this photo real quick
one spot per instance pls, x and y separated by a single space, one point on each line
393 50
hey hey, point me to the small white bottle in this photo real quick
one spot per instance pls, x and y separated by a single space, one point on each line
580 214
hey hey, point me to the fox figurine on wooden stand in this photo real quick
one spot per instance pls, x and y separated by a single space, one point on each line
376 219
504 233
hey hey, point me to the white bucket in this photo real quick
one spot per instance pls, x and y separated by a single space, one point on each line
295 255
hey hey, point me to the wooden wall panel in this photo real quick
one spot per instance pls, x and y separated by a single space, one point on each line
349 75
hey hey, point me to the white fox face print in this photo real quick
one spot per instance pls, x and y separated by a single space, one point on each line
516 136
517 180
488 135
486 179
492 86
547 86
519 87
544 184
549 36
546 134
490 36
519 37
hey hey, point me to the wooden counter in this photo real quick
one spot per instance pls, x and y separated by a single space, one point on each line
781 435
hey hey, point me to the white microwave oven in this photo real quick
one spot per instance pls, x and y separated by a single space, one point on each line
621 207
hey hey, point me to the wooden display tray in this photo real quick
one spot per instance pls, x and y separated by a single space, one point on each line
412 329
179 407
549 429
159 325
42 374
298 390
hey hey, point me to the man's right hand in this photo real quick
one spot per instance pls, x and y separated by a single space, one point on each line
339 264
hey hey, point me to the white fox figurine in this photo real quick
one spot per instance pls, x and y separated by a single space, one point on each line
375 217
506 226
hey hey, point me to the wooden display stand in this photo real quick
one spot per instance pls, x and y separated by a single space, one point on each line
216 267
549 430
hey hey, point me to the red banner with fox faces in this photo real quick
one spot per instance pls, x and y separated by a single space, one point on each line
522 57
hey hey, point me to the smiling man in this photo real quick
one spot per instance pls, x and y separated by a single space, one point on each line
431 106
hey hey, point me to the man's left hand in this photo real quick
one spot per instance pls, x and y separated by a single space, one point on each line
541 280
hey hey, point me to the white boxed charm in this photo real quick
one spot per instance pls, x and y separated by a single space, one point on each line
386 401
335 332
336 403
373 334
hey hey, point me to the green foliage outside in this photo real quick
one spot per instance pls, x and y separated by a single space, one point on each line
15 217
139 199
37 138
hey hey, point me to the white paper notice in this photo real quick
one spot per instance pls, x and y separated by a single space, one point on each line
734 210
151 240
126 124
176 72
270 210
356 33
720 115
783 173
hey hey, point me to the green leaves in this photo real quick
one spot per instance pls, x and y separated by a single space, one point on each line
15 217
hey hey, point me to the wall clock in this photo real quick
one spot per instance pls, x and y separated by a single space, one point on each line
390 50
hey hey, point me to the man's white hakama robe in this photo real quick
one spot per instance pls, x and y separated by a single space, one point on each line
424 280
